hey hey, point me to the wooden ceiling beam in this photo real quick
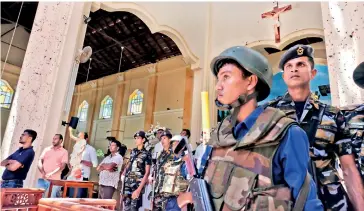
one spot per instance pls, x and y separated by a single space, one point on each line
156 43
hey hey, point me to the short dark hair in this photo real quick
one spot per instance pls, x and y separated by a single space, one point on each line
31 133
85 135
224 62
118 144
60 136
188 132
312 62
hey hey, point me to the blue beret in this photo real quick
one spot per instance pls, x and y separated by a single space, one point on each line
296 52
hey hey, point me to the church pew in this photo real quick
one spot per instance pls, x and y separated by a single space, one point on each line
70 204
20 199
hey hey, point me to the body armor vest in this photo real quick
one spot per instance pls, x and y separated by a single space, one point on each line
239 173
324 138
170 182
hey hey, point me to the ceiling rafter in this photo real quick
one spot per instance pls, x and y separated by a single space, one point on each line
118 29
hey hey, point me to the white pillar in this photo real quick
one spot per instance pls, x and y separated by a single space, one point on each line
42 87
343 28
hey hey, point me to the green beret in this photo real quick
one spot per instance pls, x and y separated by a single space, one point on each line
296 52
358 75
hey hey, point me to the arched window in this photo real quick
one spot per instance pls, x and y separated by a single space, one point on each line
106 108
82 111
136 102
6 94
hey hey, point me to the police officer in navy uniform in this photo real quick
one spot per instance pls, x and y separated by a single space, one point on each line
324 125
354 115
257 151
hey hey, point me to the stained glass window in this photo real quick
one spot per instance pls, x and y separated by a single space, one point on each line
136 102
6 94
106 108
82 111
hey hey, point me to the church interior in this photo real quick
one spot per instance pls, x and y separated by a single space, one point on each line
149 62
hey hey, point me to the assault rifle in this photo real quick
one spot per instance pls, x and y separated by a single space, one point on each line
153 186
198 194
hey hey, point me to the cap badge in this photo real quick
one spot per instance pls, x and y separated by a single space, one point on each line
299 51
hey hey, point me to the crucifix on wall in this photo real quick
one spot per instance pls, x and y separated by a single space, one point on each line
275 15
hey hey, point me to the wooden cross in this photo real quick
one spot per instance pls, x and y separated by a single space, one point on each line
275 14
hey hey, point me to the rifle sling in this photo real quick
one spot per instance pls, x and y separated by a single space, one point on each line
316 119
132 161
303 194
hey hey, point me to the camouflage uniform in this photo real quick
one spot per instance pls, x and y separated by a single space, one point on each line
139 159
169 181
240 172
247 169
329 142
354 129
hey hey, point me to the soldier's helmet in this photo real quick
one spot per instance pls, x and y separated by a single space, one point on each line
250 60
358 75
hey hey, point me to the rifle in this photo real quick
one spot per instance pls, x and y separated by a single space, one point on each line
198 194
153 186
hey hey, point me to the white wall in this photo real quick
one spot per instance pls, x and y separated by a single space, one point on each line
233 23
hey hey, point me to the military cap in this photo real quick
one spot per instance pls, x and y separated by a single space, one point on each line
358 75
167 133
296 52
140 134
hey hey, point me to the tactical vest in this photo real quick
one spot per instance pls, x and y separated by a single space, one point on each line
239 173
170 182
324 141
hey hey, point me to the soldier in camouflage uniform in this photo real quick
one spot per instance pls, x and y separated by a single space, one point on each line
354 116
170 176
324 125
136 174
260 158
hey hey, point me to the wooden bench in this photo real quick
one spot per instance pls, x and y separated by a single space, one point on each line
70 204
20 199
74 184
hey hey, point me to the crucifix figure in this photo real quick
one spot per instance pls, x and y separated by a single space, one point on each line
275 14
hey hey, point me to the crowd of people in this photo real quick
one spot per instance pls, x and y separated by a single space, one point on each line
285 154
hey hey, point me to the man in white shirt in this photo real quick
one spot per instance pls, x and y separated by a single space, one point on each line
109 170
